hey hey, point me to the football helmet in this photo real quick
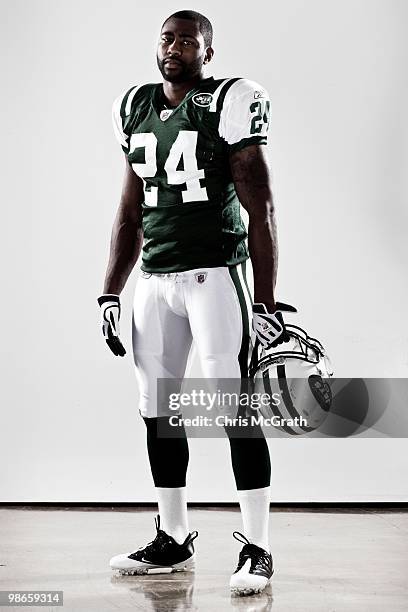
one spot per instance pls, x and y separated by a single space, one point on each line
296 376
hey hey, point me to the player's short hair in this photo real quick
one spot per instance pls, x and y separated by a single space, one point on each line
204 24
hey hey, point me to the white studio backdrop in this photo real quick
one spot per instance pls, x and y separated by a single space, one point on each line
336 74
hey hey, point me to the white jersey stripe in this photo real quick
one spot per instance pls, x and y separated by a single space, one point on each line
245 292
117 121
247 287
117 115
130 99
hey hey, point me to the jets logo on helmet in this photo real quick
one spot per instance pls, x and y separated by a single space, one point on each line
300 374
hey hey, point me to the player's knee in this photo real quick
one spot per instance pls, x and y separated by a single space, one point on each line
220 365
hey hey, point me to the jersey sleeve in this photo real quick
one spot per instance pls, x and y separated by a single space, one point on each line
121 109
244 118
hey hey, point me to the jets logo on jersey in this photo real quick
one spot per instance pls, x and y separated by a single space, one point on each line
258 94
202 99
165 114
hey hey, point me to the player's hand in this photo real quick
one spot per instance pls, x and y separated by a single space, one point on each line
110 315
269 327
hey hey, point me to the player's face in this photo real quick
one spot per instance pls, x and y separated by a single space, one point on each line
181 52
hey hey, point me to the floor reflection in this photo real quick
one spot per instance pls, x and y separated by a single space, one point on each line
174 592
254 603
164 593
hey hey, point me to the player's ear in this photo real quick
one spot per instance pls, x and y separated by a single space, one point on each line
209 52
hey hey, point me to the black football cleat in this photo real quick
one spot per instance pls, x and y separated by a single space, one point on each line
161 556
254 570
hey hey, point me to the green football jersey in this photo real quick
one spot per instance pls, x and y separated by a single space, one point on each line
191 212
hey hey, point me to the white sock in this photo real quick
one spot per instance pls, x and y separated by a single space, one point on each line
173 512
254 504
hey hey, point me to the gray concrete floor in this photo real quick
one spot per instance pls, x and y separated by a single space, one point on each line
325 561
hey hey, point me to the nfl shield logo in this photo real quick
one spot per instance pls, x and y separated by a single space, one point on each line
200 277
165 114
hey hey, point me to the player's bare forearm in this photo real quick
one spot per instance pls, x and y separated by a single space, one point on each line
125 248
252 182
127 234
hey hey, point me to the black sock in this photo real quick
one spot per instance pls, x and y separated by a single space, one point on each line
168 456
250 458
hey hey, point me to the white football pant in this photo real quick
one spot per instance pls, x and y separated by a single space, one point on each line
210 306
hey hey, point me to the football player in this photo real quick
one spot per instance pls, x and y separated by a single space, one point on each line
194 152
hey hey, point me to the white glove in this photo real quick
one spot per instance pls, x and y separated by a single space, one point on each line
110 315
270 327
